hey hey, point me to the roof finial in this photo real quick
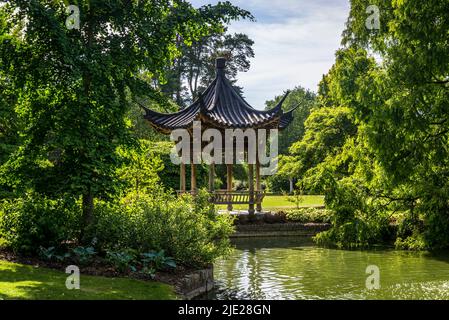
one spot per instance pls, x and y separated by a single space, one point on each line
220 65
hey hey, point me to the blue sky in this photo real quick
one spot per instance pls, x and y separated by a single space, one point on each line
295 43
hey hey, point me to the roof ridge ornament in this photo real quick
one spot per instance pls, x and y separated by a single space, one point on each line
220 66
278 107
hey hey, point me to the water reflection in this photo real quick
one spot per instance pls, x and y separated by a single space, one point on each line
293 268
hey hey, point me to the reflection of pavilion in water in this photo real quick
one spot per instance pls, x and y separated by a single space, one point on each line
221 107
255 275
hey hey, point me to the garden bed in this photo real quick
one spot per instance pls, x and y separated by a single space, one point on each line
298 215
180 279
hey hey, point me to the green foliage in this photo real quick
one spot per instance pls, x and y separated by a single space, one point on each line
335 156
331 125
50 254
28 223
83 255
189 230
141 168
70 162
415 242
194 70
296 198
355 234
279 182
401 111
74 88
356 221
158 260
122 260
301 99
304 101
305 215
168 172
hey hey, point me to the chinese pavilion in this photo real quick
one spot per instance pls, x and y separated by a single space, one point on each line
221 107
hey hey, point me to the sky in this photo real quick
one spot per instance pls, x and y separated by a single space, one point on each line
295 44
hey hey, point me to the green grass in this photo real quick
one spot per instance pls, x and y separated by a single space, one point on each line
19 281
273 203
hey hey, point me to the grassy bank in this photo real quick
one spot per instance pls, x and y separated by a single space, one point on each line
274 203
18 281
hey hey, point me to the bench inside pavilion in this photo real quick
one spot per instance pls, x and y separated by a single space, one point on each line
221 107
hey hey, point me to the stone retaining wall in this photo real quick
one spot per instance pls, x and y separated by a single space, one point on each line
279 230
196 283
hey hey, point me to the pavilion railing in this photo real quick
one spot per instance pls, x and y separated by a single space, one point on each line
233 197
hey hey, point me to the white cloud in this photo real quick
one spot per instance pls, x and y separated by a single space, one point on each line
295 42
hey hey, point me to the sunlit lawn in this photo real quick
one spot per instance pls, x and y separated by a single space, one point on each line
281 202
19 281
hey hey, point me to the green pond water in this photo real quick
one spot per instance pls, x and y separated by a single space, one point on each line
286 268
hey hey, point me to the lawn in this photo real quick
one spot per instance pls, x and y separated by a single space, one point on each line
280 202
18 281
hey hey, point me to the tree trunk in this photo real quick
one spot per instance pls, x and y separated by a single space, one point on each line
291 185
88 213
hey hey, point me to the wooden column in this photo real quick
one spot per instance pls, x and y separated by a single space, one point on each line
251 189
229 183
258 187
182 178
212 177
258 181
193 179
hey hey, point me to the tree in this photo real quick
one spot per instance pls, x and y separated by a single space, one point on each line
405 107
9 122
394 167
324 129
73 85
327 130
301 99
333 156
195 69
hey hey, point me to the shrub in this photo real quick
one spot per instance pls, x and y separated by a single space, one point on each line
122 260
31 222
356 233
296 198
187 229
51 254
112 226
413 242
158 260
305 215
84 255
278 183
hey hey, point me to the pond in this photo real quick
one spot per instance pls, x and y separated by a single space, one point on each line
294 268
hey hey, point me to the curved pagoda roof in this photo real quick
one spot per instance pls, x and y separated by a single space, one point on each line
222 107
